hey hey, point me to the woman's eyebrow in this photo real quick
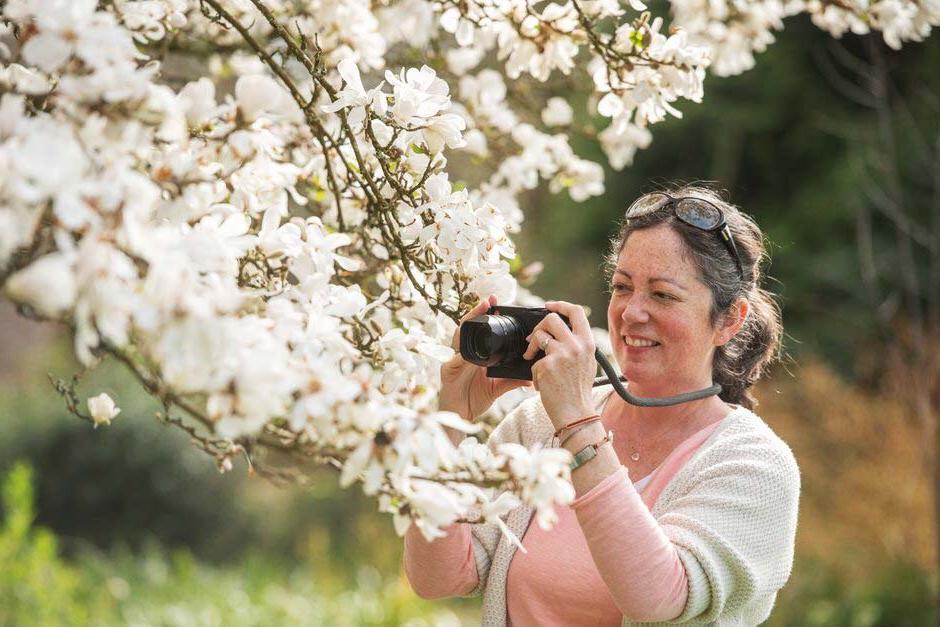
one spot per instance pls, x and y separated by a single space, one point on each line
654 279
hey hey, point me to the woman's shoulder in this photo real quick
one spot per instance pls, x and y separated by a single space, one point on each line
744 456
744 437
743 424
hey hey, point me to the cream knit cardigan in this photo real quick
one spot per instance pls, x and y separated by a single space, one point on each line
730 511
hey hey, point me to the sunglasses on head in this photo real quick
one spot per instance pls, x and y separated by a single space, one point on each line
695 212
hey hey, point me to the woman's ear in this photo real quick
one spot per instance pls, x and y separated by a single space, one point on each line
732 321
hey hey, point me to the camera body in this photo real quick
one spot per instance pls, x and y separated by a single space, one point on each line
497 340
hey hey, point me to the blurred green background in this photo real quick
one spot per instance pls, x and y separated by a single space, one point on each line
129 524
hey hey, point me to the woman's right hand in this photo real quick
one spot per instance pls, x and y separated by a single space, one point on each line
465 388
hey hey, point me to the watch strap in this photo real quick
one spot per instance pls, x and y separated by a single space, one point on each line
589 452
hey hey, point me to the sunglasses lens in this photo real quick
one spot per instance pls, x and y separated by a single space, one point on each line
645 205
698 213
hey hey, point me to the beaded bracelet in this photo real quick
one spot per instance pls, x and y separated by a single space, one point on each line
576 423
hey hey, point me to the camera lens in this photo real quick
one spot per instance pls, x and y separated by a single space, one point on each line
489 340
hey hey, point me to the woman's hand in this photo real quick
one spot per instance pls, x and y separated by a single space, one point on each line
465 388
565 375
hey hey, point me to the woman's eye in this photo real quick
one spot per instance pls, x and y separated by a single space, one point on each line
663 295
618 288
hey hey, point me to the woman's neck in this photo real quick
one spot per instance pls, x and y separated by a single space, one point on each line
655 423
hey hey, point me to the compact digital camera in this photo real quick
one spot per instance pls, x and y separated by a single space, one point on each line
497 340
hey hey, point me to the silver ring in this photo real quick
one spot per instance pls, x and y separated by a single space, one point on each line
544 343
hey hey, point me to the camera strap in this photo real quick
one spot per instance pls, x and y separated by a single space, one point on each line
664 401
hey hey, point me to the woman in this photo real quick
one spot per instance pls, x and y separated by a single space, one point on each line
689 513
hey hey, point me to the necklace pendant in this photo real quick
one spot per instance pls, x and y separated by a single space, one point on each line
635 457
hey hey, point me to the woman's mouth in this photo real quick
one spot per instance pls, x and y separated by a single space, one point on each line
639 342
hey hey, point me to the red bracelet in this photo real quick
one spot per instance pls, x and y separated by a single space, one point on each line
571 434
580 421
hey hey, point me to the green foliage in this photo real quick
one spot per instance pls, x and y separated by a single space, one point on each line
156 587
899 595
38 588
137 481
121 484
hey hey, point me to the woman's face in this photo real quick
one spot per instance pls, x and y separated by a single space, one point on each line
658 314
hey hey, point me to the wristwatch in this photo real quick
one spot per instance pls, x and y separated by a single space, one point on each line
589 452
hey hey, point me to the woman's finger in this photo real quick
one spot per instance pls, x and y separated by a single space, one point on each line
575 314
481 308
557 327
537 342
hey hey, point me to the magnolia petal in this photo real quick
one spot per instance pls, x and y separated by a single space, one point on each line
611 105
46 51
509 534
465 32
349 72
356 462
401 523
452 420
450 20
436 351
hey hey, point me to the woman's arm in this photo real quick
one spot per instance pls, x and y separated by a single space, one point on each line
444 567
634 557
734 525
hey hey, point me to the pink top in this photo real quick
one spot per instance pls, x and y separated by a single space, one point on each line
633 569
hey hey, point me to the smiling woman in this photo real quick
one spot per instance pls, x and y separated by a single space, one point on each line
689 513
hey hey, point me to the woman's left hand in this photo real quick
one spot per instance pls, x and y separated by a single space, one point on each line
566 373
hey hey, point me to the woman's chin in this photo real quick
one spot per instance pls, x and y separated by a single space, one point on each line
635 373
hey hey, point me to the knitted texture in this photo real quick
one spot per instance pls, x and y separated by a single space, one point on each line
731 512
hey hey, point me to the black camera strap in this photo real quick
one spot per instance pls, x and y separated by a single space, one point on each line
665 401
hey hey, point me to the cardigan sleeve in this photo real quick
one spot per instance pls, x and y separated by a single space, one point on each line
442 568
734 525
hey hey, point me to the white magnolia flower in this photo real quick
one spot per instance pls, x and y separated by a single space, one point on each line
462 28
353 94
49 160
47 285
25 80
557 112
444 130
102 409
419 95
621 140
437 505
198 98
259 95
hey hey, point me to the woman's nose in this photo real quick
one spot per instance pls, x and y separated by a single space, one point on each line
635 310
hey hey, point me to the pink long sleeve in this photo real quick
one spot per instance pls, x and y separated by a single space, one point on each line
634 557
442 568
